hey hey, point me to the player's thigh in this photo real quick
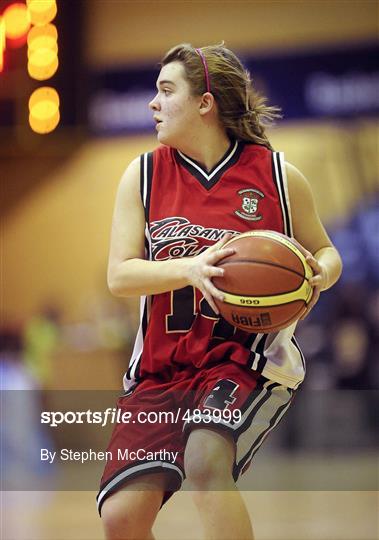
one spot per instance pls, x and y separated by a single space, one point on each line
209 453
248 406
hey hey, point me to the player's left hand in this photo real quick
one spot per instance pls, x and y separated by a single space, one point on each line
317 281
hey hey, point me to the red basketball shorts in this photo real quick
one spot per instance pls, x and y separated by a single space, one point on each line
158 416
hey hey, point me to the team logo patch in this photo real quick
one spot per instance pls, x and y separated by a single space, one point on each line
249 205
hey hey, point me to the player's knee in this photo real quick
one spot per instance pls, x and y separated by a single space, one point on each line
202 471
208 461
116 521
127 515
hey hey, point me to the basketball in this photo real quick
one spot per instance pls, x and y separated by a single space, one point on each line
265 282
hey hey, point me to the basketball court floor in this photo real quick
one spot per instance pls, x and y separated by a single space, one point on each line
276 515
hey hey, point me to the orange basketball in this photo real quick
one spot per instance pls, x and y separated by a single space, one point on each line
265 282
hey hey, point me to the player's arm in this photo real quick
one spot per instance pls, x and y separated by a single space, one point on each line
129 274
308 230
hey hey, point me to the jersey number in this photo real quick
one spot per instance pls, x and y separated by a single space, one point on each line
222 395
183 313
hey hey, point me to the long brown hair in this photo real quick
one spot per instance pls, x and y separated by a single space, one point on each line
243 112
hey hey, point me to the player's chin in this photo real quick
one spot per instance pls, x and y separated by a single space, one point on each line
169 139
162 138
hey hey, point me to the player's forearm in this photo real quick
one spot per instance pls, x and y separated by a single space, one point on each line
329 258
136 277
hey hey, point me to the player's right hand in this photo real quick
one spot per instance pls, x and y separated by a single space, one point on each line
202 269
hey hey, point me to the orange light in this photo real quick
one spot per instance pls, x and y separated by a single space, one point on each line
44 113
42 52
2 43
41 11
17 24
47 125
42 44
43 37
44 93
42 64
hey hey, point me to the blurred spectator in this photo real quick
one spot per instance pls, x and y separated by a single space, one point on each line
340 340
342 332
21 433
40 337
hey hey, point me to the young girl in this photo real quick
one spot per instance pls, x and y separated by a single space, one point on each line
201 395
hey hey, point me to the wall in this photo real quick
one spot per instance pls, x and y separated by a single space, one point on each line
125 31
55 243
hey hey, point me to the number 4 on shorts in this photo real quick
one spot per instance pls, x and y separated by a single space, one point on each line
222 395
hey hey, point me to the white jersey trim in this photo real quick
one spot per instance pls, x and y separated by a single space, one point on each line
213 173
285 189
282 360
131 376
274 402
132 471
280 178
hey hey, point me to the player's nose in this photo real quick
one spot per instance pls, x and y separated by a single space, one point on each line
154 103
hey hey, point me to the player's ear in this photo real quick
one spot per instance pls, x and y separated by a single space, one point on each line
207 103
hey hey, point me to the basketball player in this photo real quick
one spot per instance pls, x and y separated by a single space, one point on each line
213 176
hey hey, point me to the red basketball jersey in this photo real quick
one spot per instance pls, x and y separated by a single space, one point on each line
188 209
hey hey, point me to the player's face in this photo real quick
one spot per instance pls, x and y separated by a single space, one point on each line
176 111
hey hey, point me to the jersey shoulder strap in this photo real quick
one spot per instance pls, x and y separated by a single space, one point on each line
280 178
159 159
146 178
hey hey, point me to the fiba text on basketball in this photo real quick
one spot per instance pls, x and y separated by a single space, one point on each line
117 416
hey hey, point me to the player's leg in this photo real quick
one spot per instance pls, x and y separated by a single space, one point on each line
210 476
238 409
145 464
130 513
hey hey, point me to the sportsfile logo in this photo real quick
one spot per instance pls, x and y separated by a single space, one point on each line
177 237
110 415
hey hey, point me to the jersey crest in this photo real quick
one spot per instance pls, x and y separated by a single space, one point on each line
249 206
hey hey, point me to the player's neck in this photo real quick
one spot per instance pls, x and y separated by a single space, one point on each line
208 150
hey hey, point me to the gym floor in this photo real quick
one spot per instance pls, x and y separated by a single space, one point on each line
276 515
